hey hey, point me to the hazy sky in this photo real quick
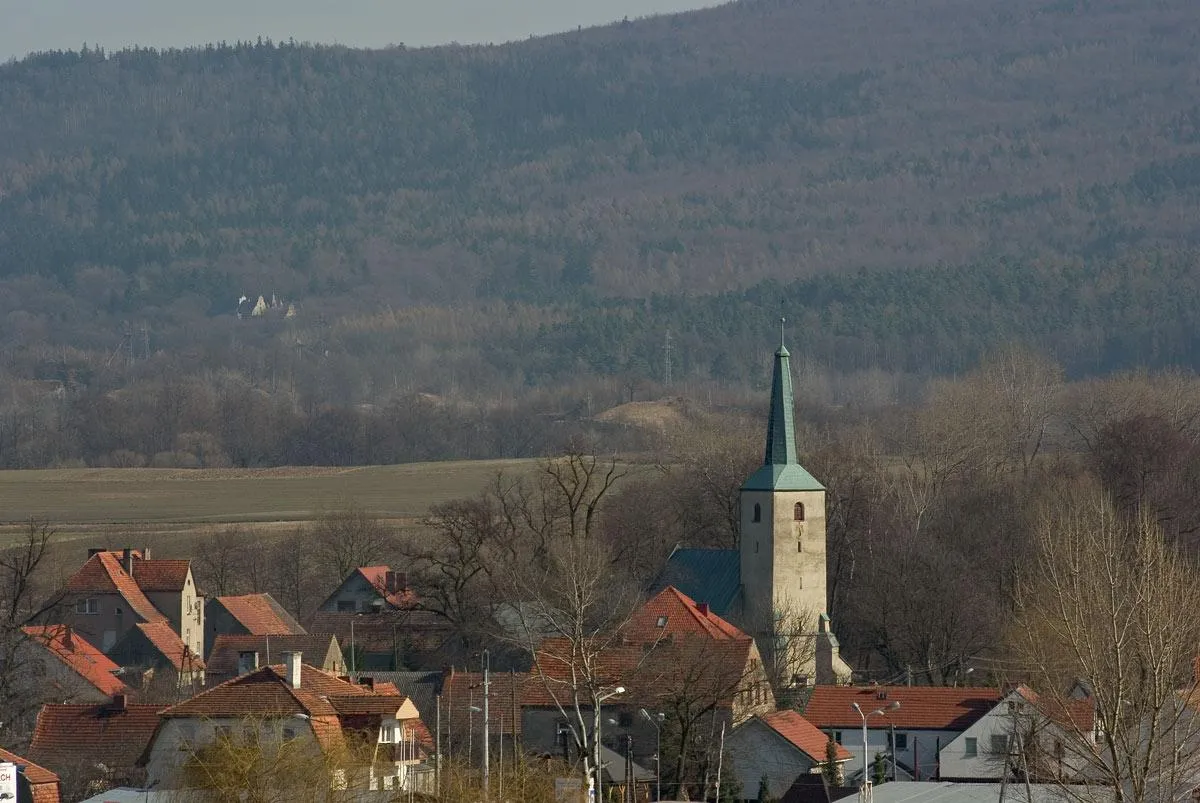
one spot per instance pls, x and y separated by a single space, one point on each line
29 25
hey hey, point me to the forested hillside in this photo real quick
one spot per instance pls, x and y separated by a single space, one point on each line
912 184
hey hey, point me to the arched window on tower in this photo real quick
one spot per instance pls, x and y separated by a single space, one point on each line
757 512
798 512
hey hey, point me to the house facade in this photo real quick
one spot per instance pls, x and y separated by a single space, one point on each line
370 589
910 724
1021 734
299 704
116 590
776 749
247 615
61 666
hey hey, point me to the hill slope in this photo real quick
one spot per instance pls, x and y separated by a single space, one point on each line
883 169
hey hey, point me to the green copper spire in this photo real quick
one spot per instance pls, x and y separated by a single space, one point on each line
780 470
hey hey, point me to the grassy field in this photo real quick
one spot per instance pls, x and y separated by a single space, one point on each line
79 502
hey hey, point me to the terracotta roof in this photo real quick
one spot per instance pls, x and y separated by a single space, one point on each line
1076 715
171 646
261 614
377 577
461 690
223 660
921 707
325 699
160 575
802 734
32 772
103 574
679 615
717 666
114 735
87 661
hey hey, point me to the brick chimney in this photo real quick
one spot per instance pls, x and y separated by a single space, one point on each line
389 581
145 553
118 703
68 642
703 606
127 561
291 662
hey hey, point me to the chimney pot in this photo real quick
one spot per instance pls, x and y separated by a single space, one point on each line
127 561
145 553
703 606
291 662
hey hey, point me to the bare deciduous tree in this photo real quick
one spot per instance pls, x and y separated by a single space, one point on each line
1109 604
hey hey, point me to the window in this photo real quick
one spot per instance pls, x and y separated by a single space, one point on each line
798 511
289 734
87 606
972 747
901 741
662 621
799 545
999 743
757 512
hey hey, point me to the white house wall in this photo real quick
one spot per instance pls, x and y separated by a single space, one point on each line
756 752
920 752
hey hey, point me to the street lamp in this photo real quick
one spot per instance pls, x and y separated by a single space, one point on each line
596 747
657 723
877 712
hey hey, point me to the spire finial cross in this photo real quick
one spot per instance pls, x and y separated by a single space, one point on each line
782 322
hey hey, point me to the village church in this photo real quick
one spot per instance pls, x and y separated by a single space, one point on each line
773 585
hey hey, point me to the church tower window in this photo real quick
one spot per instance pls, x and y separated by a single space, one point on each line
757 512
798 512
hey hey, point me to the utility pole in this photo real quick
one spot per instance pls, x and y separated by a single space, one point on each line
667 360
487 667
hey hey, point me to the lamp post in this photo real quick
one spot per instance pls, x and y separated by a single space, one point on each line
487 668
877 712
657 723
596 747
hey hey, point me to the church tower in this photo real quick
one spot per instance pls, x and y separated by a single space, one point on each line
782 534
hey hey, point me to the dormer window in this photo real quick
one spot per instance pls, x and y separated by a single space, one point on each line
798 511
757 512
662 621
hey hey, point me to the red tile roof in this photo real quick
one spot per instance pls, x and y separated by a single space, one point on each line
325 699
377 577
1076 715
160 575
32 772
87 661
103 574
802 734
223 660
680 615
261 615
921 707
171 646
70 735
461 690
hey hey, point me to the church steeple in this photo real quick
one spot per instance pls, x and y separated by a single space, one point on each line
781 426
780 470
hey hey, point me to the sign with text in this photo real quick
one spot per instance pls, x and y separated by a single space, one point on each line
8 781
